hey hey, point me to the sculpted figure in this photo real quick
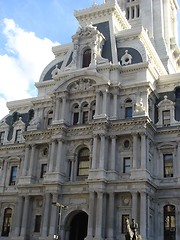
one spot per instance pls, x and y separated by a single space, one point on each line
132 233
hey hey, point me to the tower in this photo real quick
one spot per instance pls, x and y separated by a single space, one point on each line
159 19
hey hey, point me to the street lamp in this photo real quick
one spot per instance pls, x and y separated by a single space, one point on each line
60 207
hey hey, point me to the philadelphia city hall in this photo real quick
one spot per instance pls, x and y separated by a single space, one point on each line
100 143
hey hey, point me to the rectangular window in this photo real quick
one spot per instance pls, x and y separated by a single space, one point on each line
18 136
168 165
85 117
43 169
126 165
128 112
124 217
166 118
2 134
83 168
13 175
37 226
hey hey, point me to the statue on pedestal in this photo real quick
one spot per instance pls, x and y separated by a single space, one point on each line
132 233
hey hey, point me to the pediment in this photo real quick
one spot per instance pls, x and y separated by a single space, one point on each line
19 123
83 81
4 125
166 102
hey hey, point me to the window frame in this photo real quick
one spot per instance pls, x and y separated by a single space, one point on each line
7 220
165 166
86 59
171 216
43 170
2 137
37 223
18 135
126 166
13 175
83 159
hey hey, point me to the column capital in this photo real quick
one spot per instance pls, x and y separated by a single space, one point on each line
113 137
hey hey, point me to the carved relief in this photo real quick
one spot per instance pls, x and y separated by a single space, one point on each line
81 85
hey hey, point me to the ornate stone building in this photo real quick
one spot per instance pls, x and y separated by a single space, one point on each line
103 135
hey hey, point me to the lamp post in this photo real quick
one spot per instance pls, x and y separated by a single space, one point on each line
60 207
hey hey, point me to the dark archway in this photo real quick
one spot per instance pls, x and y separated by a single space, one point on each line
78 226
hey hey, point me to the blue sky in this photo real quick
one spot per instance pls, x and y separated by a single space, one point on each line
28 30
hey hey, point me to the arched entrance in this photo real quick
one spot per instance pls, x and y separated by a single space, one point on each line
78 226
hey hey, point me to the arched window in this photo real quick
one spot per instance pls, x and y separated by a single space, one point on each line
83 162
7 222
128 108
50 117
86 58
85 113
75 114
169 222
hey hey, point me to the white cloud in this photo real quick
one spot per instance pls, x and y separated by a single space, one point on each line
26 57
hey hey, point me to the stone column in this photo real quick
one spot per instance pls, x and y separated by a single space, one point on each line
59 156
46 216
57 110
111 214
94 154
25 217
102 151
52 154
72 170
26 159
113 153
63 111
53 220
115 106
32 160
143 210
99 216
105 102
18 217
134 151
143 151
91 216
135 205
97 103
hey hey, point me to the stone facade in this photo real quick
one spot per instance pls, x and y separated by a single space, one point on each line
102 137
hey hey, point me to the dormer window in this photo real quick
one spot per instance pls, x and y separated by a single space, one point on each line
18 136
166 118
86 58
166 113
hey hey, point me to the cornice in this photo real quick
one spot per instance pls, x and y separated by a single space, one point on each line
12 147
37 135
18 104
47 83
168 81
110 8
